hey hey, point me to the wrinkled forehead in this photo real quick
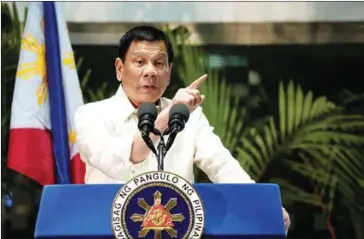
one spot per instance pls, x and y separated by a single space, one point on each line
151 49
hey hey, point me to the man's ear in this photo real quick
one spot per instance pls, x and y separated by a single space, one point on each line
119 67
170 68
170 73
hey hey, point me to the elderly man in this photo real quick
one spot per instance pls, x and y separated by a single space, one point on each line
107 135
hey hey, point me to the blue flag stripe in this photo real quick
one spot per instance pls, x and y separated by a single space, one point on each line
56 95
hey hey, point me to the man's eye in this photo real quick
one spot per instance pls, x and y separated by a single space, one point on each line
139 62
160 63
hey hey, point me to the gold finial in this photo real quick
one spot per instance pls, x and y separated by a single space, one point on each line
157 197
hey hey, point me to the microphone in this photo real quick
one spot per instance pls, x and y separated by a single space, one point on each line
178 116
147 114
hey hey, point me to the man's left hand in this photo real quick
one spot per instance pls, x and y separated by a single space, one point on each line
287 221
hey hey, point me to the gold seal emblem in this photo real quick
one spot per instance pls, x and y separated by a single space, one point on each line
157 217
157 205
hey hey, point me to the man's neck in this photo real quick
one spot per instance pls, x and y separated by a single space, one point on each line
137 105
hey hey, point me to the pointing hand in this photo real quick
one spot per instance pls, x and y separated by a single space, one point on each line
190 95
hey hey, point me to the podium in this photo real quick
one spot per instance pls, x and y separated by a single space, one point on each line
245 211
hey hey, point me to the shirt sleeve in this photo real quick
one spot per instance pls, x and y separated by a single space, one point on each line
214 159
98 147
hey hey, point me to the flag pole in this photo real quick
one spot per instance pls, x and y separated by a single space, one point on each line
56 95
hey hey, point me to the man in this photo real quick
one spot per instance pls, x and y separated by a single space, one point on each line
107 135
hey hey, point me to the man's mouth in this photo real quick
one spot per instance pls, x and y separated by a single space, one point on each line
149 87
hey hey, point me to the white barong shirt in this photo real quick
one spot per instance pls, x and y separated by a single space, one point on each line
104 135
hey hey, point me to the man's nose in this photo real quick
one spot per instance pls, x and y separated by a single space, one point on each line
149 70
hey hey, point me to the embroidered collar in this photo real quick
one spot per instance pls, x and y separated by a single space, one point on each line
128 109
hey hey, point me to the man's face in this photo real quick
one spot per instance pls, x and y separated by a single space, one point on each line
145 73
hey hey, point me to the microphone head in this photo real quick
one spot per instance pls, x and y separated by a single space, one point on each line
180 109
147 114
147 108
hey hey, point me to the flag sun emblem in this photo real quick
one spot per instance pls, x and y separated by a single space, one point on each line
157 205
34 45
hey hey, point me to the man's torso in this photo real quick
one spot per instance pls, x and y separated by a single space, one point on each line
179 158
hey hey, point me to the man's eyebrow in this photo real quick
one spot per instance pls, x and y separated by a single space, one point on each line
163 53
144 52
138 52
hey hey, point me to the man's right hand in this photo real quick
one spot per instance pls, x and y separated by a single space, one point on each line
190 95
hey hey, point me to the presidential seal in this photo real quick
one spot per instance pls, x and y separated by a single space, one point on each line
157 205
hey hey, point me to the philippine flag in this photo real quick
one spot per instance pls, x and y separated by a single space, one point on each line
46 95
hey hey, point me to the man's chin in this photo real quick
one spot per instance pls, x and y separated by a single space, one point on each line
149 98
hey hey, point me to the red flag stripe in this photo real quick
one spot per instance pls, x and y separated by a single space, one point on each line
78 170
31 153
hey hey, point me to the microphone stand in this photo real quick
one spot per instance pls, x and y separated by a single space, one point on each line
161 154
162 148
148 142
172 136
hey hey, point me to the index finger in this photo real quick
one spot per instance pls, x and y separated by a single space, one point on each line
196 84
